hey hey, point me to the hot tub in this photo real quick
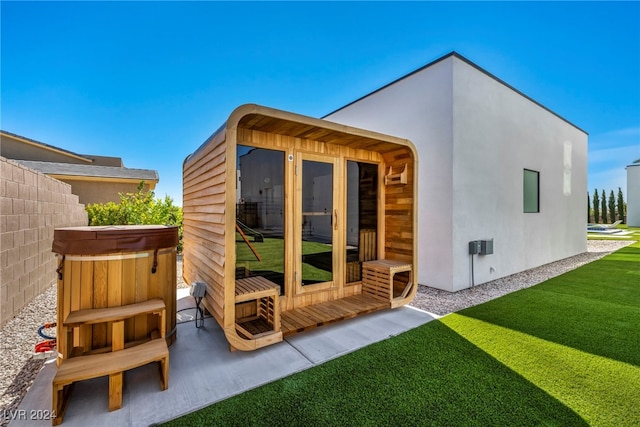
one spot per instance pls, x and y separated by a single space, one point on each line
111 266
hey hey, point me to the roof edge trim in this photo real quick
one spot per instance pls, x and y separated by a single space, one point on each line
469 62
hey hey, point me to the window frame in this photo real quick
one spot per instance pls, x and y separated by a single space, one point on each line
526 196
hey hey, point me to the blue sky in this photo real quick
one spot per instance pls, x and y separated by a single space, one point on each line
149 82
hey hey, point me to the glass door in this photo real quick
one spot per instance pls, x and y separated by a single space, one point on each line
260 209
318 221
361 217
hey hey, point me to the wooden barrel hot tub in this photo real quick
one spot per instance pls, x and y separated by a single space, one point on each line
112 266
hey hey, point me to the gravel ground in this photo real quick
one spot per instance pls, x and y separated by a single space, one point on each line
19 335
442 302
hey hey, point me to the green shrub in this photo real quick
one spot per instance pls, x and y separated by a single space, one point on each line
139 208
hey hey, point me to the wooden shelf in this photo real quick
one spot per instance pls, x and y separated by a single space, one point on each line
395 177
266 294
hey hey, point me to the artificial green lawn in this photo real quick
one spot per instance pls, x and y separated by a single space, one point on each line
564 352
271 250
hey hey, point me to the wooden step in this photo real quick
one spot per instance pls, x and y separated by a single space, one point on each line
111 314
98 365
113 364
312 316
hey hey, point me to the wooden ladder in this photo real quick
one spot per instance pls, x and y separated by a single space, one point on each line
121 357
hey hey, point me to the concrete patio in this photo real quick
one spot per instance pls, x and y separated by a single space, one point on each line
204 371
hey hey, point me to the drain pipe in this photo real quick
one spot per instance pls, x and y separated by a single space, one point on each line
474 248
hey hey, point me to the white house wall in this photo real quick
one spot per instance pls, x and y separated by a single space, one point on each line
633 195
419 109
497 134
474 137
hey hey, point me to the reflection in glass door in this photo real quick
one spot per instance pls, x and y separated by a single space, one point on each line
260 220
317 222
362 217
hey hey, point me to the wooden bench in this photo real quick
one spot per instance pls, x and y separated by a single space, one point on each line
378 278
266 294
112 363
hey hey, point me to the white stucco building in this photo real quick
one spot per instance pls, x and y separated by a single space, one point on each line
633 194
493 164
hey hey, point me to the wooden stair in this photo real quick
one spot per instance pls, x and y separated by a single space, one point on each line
112 363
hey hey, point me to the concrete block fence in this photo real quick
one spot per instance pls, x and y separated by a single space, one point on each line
32 205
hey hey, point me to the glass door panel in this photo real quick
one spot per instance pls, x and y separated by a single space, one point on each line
317 222
362 217
260 214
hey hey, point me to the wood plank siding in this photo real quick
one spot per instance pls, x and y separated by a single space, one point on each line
209 208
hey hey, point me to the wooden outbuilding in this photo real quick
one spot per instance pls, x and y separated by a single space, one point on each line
293 222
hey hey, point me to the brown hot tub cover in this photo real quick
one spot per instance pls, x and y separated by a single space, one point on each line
97 240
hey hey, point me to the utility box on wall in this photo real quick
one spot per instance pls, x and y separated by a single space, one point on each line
486 247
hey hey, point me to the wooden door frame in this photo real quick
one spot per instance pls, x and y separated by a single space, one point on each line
337 239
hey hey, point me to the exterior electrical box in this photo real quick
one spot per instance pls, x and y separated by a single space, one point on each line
486 247
474 247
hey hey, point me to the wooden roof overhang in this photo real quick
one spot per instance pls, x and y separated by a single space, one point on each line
264 119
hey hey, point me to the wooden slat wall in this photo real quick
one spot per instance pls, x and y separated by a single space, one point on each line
399 221
204 196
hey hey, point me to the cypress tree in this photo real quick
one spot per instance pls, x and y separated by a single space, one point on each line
620 205
588 207
596 206
604 207
612 206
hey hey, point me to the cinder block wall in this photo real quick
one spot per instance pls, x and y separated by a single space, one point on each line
31 206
